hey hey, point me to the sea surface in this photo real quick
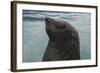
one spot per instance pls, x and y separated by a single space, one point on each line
35 39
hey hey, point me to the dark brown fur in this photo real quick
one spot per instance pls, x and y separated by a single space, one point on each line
63 41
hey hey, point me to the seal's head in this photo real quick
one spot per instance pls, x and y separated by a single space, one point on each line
59 30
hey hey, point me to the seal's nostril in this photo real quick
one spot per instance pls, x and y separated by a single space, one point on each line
47 20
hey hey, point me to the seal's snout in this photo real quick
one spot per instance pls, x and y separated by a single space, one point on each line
49 23
48 19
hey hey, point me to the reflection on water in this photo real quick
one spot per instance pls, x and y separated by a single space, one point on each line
35 39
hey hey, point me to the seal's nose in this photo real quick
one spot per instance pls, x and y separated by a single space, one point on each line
48 19
49 23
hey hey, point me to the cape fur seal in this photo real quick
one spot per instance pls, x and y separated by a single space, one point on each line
63 41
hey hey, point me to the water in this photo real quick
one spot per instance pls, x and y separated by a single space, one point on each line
35 39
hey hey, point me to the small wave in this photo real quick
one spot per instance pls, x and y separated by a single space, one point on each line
33 18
